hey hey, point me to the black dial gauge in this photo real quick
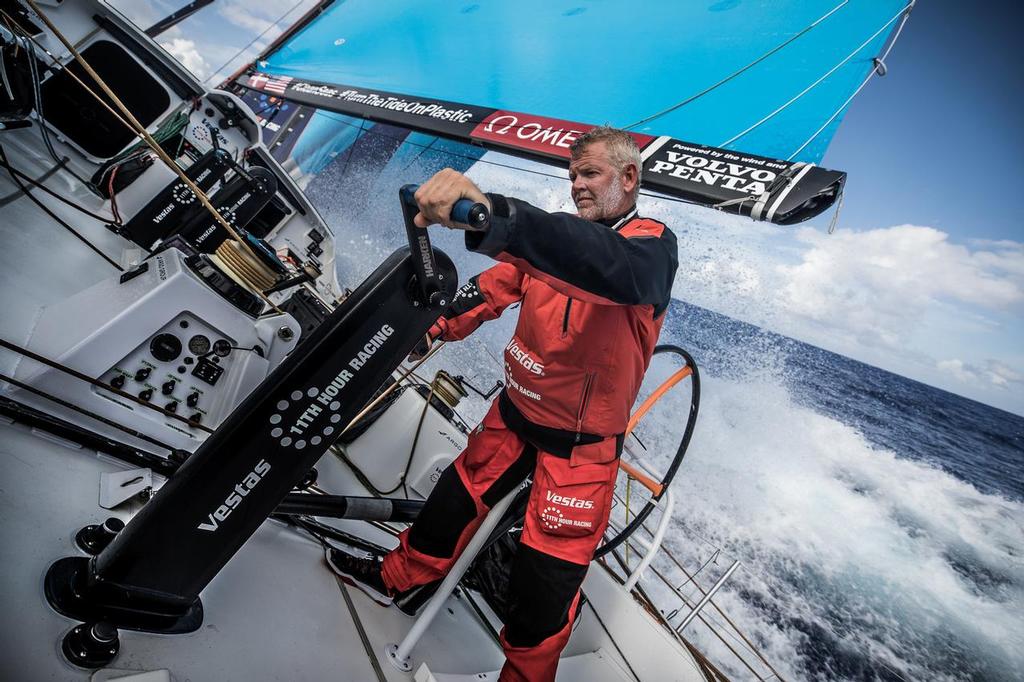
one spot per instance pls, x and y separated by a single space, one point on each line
165 347
199 345
221 347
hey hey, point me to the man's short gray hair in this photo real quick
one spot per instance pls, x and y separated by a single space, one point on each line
621 146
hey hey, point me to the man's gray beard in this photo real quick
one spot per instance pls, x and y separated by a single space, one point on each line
606 205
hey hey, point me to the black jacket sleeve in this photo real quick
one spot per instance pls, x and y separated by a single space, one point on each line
580 258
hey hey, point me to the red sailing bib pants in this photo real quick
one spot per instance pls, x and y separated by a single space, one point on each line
592 299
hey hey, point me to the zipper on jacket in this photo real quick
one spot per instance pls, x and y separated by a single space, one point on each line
565 318
587 384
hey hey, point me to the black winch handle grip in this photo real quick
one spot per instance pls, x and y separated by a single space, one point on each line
465 211
428 284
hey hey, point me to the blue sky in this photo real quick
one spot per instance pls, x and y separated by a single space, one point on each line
925 275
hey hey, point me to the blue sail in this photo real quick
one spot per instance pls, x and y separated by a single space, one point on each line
766 77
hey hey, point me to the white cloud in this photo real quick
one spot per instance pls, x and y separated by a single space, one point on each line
246 16
186 52
879 284
958 370
994 373
257 15
1002 375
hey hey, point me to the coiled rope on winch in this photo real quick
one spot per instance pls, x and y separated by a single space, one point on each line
128 119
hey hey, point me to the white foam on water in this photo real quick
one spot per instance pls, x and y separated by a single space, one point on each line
851 556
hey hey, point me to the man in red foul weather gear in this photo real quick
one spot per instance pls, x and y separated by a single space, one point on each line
593 289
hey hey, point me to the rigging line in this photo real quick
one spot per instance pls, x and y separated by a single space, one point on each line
718 630
87 413
812 85
253 41
728 78
38 184
140 130
363 637
58 219
871 74
352 148
692 579
98 384
33 68
611 639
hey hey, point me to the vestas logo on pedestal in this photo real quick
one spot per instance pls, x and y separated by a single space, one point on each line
549 136
236 497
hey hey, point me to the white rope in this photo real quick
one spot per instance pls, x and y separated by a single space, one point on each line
815 83
871 74
728 78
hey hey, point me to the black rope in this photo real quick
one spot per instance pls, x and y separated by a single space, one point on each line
87 438
46 209
98 384
36 183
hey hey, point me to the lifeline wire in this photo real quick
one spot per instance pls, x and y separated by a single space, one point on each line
692 579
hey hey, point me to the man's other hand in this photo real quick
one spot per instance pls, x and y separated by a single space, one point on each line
438 195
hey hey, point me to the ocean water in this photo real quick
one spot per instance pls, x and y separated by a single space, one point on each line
878 521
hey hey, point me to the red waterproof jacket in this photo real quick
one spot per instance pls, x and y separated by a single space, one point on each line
593 301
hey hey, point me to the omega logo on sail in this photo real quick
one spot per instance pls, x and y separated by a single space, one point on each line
532 131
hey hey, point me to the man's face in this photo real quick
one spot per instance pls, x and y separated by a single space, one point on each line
598 189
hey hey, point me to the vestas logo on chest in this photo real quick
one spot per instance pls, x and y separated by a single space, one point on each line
237 496
524 358
573 502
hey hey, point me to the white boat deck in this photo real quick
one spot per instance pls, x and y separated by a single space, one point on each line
275 612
